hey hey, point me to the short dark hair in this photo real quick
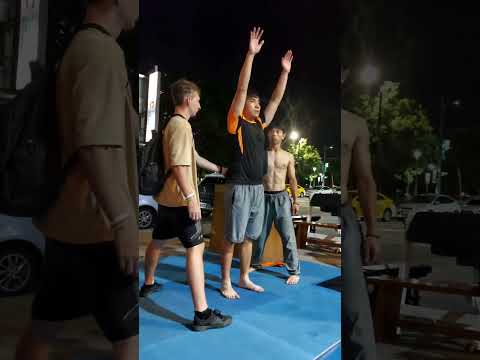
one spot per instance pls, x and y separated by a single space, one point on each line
252 93
277 125
181 89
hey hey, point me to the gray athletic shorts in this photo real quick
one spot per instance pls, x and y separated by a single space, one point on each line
244 212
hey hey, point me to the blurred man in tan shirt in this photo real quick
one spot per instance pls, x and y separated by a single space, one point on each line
92 235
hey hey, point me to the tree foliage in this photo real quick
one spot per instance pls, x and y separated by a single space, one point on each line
404 127
306 157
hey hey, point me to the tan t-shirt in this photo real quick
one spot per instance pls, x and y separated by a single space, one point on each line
178 150
95 107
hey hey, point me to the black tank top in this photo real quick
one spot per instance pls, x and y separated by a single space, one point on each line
248 163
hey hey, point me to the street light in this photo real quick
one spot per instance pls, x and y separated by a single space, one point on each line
294 135
369 75
416 155
443 109
325 148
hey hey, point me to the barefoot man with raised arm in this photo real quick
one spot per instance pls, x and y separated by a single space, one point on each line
244 198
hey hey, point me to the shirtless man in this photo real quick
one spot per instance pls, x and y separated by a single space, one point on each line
358 340
278 207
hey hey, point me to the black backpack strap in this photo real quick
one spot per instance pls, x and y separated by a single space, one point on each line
176 114
98 27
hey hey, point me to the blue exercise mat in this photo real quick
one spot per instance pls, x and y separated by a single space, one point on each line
285 322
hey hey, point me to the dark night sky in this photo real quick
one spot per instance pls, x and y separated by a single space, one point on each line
431 48
456 60
206 41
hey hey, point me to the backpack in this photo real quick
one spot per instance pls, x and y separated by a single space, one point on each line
29 155
31 174
152 174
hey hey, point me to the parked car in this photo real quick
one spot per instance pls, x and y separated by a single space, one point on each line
385 207
148 207
319 190
22 248
472 205
147 211
206 189
428 202
300 191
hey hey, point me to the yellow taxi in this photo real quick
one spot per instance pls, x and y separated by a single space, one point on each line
300 190
386 209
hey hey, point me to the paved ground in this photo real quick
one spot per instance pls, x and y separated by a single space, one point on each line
81 340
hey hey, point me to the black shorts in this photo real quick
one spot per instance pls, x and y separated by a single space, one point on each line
81 280
174 222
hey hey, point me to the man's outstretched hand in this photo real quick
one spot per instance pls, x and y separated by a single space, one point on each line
255 44
287 61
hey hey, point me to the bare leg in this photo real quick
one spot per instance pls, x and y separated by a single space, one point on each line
30 347
126 349
196 276
245 258
227 289
152 255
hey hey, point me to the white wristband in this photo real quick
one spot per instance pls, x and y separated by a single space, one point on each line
189 196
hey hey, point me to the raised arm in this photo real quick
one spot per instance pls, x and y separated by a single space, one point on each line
238 102
279 90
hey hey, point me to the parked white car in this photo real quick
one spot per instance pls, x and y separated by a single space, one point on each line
319 190
147 211
428 202
472 205
22 247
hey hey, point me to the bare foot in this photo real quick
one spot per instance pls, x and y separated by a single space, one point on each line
228 292
249 285
252 269
293 280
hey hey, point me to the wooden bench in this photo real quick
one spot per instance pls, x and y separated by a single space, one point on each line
305 237
389 314
448 234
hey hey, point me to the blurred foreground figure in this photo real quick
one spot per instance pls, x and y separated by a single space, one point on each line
358 340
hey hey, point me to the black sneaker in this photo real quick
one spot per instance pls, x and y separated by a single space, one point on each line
216 320
148 289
